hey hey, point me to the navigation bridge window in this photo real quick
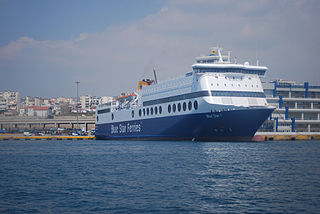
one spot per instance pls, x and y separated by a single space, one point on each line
230 70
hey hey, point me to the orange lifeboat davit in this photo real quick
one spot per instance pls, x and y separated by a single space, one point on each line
143 83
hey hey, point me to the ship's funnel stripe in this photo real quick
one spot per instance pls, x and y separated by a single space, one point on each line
204 94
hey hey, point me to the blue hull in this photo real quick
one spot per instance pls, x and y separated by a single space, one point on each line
234 125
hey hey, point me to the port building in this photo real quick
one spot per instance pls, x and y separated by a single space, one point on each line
297 107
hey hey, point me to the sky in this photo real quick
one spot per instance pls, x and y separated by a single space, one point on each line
110 45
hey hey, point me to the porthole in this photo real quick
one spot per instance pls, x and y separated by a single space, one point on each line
189 105
257 86
225 84
160 110
195 105
112 116
174 107
252 86
139 112
179 107
217 84
156 110
147 111
216 77
184 106
144 112
169 108
245 85
132 113
151 111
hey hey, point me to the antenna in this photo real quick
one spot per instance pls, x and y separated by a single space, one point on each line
220 57
155 76
256 53
229 54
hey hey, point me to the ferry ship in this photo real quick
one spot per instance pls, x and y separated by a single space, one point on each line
217 101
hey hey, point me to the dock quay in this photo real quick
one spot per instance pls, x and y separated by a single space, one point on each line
285 136
45 137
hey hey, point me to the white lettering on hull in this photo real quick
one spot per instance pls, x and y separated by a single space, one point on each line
125 128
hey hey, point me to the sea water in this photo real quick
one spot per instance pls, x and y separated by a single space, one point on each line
159 177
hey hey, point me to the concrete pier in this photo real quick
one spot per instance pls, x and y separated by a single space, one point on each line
285 136
45 137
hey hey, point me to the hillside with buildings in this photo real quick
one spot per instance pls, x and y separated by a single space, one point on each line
11 104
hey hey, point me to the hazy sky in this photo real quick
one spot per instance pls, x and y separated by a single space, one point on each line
109 45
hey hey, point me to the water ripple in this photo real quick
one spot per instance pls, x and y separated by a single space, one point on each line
159 177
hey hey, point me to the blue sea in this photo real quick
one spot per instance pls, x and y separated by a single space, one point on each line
159 177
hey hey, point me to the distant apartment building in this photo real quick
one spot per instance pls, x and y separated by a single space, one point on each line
33 101
36 111
63 105
9 101
3 105
88 103
297 107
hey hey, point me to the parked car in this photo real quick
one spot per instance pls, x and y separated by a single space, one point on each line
75 134
27 134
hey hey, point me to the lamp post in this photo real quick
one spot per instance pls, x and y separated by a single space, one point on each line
77 105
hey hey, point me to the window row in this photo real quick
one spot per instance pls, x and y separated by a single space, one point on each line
171 107
233 85
177 107
148 111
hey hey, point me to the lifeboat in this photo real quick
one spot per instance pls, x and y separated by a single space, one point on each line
143 83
